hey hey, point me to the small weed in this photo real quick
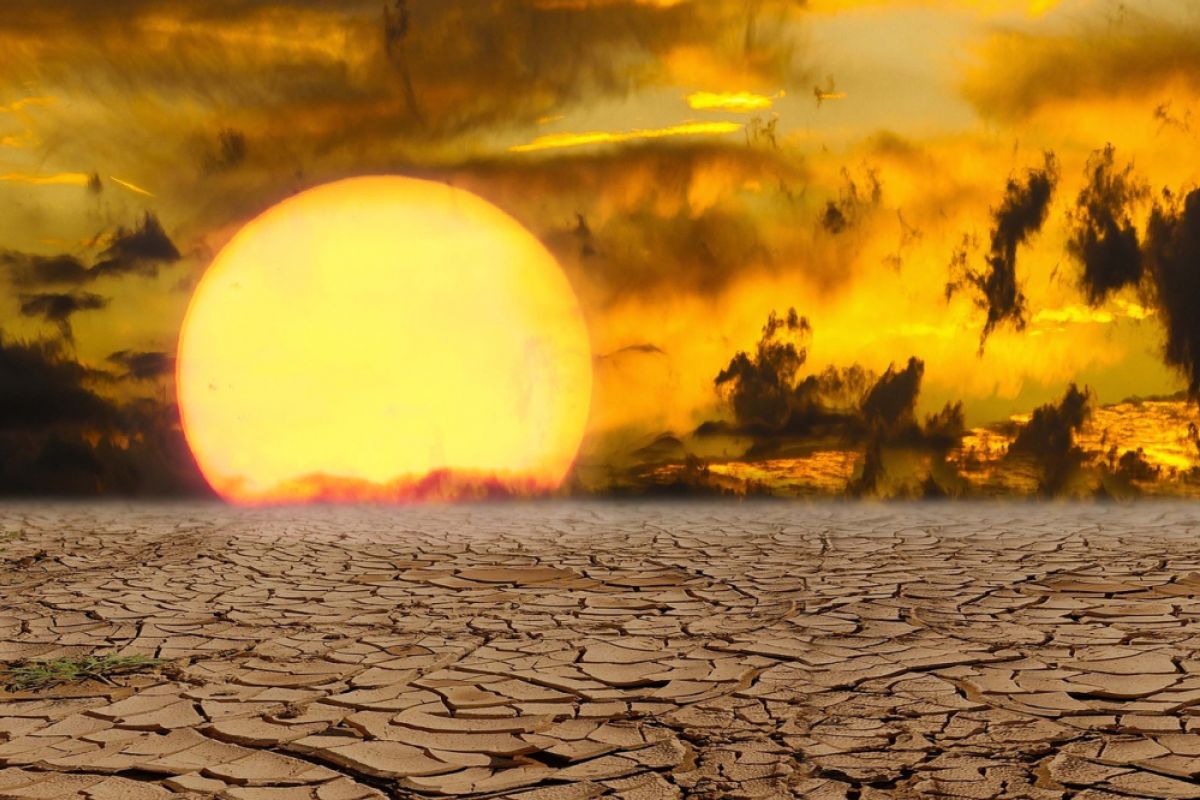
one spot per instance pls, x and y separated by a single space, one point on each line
31 676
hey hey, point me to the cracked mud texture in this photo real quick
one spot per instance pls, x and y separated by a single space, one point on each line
561 651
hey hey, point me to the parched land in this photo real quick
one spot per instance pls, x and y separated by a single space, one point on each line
559 651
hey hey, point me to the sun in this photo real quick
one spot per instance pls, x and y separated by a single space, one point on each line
383 339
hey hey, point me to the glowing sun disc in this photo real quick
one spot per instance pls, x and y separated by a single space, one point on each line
383 338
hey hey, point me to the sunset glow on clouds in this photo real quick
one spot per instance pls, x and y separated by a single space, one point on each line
678 160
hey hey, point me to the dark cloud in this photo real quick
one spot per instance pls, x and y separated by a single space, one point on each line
58 307
140 250
40 388
901 456
143 365
26 269
385 75
1131 466
1021 73
59 436
227 152
641 250
776 413
769 399
944 430
1172 252
760 386
891 405
785 415
1019 216
542 56
1103 238
1048 439
832 388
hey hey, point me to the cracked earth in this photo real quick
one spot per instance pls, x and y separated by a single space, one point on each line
559 651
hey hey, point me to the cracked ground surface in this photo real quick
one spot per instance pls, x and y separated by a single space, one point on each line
559 651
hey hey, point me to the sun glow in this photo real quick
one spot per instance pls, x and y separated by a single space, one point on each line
383 339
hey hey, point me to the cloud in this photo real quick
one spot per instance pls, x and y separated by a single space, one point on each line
639 251
1048 439
839 408
59 307
902 457
28 269
143 365
1103 237
139 250
760 387
891 404
1119 474
57 179
40 388
1019 73
303 80
1019 216
735 102
59 436
1172 252
557 141
227 152
652 218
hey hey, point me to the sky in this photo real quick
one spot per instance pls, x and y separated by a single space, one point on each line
980 212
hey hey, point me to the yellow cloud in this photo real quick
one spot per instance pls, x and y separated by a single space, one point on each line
559 140
57 179
16 106
1081 313
26 138
740 102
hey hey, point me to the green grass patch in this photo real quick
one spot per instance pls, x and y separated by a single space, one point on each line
33 676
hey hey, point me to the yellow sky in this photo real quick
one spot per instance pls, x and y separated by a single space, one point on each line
680 174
